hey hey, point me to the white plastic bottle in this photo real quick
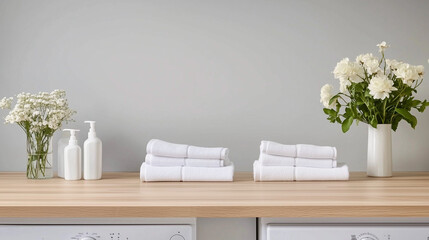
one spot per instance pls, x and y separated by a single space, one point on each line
92 155
72 158
62 143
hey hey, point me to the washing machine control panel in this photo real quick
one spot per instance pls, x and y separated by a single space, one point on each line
88 238
364 236
97 232
346 232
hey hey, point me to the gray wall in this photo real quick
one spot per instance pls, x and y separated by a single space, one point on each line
210 73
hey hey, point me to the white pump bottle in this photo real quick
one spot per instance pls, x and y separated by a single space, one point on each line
92 156
62 143
72 158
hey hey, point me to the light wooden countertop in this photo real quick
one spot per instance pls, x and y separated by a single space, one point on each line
123 195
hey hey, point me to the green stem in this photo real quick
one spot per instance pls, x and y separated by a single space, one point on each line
384 110
38 149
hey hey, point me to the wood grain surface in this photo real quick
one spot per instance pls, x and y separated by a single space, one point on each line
123 195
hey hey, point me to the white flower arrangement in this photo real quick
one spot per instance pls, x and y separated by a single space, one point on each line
39 116
374 91
43 112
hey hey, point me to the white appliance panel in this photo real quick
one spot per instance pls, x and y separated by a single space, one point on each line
96 232
347 232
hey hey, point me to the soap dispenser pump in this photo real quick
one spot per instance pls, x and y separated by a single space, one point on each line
92 156
72 158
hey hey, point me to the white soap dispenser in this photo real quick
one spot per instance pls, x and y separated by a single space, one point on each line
92 155
72 158
62 143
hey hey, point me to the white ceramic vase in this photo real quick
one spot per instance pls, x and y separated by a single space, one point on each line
379 151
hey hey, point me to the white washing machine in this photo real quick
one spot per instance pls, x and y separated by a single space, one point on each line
101 229
343 229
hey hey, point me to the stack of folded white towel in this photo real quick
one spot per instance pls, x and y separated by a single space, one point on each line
301 162
178 162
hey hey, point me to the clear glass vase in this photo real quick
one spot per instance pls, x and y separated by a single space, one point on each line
39 151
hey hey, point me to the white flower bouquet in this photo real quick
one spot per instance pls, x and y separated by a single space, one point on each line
374 91
39 116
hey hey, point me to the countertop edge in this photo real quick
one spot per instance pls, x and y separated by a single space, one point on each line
212 211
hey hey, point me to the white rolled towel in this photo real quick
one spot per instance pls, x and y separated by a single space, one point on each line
169 161
278 149
315 163
207 174
273 160
150 173
208 152
272 173
166 149
313 151
340 173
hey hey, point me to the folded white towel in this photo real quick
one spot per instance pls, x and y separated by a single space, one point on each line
166 149
273 160
315 163
286 173
320 174
163 161
207 174
150 173
312 151
272 173
278 149
207 153
191 162
169 161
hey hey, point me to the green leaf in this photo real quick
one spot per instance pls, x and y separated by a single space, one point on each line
373 122
346 124
407 116
395 123
358 102
423 106
333 99
407 91
338 119
415 103
348 113
358 88
330 112
332 118
367 94
354 110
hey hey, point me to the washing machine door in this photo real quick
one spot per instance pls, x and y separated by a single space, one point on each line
347 232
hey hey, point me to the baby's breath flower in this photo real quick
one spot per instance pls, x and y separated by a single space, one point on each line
5 103
39 112
381 46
